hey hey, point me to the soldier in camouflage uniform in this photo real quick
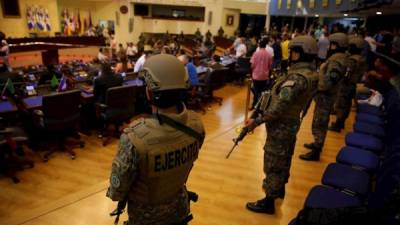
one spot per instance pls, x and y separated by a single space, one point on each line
154 158
356 68
331 75
280 111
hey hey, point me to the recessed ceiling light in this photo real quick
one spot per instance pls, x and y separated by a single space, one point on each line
345 14
378 13
316 15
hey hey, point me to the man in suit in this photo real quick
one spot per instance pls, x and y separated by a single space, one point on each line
107 79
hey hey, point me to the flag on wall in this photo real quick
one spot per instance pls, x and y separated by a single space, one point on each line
29 17
90 19
85 24
66 21
47 19
79 24
38 18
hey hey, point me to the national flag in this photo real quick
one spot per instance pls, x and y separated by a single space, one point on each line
85 24
63 85
79 25
54 82
9 86
90 19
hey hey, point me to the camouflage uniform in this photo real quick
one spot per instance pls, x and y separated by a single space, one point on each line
289 96
151 166
331 74
347 90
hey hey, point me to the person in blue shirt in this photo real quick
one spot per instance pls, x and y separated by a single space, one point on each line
191 70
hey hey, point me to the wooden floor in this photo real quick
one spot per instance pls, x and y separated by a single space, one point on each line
65 191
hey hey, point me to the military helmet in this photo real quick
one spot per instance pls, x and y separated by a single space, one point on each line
307 43
356 41
340 38
164 72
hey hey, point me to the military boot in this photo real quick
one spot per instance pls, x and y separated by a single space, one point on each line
336 127
265 205
313 155
312 146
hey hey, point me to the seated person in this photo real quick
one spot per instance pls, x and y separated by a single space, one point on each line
140 62
215 63
69 78
46 76
191 70
124 65
101 57
106 80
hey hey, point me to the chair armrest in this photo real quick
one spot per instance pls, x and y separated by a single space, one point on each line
100 108
38 118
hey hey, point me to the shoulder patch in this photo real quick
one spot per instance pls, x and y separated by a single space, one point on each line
115 182
138 128
289 83
284 94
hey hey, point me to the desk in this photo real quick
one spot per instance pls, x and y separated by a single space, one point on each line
201 69
7 107
227 61
35 102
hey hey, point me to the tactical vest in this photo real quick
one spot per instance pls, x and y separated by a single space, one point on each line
166 156
306 71
327 83
360 66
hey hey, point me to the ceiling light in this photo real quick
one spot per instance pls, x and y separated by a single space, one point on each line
345 14
378 13
316 15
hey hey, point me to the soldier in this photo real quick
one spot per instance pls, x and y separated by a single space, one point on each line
280 111
330 75
356 68
156 154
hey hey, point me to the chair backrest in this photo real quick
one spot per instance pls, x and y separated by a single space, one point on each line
120 102
243 62
216 80
61 110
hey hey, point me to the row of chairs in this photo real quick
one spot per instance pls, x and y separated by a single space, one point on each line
58 122
203 93
363 185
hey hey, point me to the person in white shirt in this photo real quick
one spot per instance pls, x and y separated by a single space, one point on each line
268 48
236 43
140 62
241 49
371 41
131 50
101 57
5 52
375 99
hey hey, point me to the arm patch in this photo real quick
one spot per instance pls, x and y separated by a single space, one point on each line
289 83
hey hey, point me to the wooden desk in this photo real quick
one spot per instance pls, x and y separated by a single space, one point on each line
35 102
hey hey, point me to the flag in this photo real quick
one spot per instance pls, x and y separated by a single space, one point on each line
85 24
79 25
9 86
54 82
63 85
90 20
